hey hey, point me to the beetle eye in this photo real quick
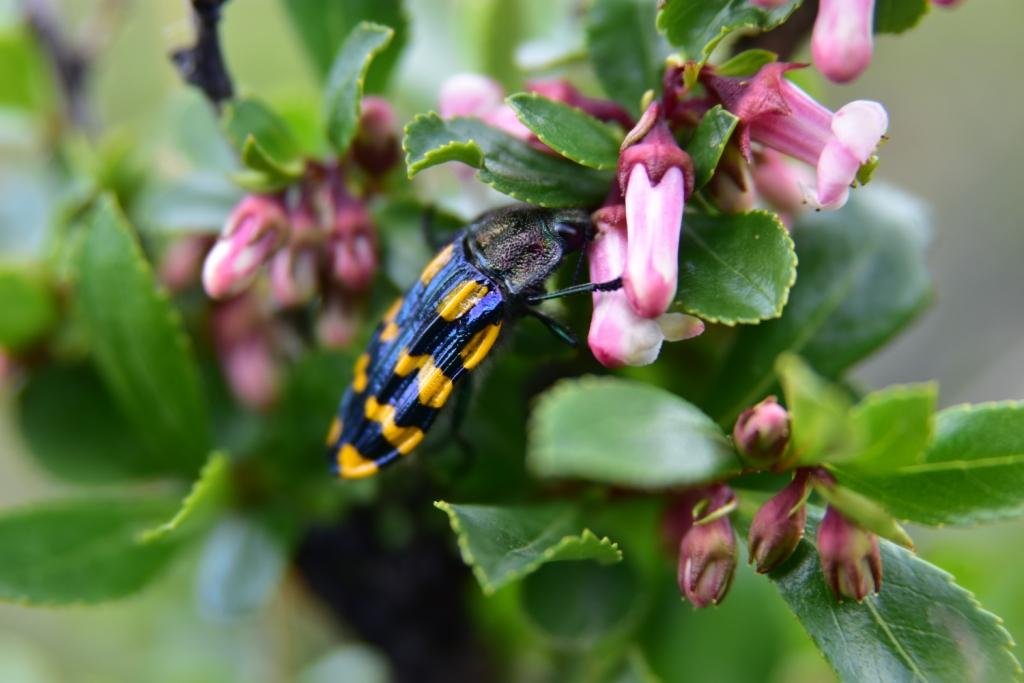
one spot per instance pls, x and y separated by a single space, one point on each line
572 234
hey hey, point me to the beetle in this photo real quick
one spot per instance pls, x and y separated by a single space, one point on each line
492 273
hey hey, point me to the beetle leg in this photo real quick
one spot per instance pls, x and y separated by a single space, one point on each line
588 287
463 398
556 328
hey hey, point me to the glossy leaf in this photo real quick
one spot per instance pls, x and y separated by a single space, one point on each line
862 279
323 24
822 430
138 342
746 63
708 143
343 92
625 49
735 268
504 544
29 307
573 133
895 426
698 27
208 492
921 626
896 16
866 513
972 472
626 433
249 118
507 164
86 551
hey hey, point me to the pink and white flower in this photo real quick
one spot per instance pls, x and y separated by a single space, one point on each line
255 230
842 40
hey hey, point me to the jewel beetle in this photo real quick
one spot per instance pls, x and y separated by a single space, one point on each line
492 273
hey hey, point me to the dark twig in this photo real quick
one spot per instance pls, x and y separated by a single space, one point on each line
786 39
202 65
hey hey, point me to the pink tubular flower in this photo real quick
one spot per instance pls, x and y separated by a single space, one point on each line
776 113
293 270
482 97
850 557
656 177
841 43
256 229
338 321
784 184
242 337
352 244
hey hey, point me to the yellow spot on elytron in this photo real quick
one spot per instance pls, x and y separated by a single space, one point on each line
407 363
359 372
389 332
392 312
403 439
353 465
436 264
434 386
479 346
461 299
334 432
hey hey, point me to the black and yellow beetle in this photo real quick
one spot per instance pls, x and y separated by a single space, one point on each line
490 274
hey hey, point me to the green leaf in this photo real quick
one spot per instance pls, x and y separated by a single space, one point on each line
698 27
504 544
708 143
746 63
322 26
573 133
865 512
895 425
249 119
207 494
626 433
972 472
862 279
896 16
264 173
625 74
343 92
921 626
85 551
28 304
507 164
735 268
138 342
819 412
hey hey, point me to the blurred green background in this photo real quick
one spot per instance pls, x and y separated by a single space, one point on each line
953 91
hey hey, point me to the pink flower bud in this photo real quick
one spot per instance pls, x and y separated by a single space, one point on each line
850 557
293 276
655 176
707 553
469 95
256 228
841 43
337 323
245 349
352 245
786 186
618 336
182 262
779 524
376 146
761 433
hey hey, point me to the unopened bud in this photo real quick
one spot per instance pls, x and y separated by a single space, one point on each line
256 228
761 433
376 148
850 557
337 323
352 244
707 552
242 337
779 525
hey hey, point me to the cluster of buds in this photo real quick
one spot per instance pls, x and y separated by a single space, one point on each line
842 38
698 524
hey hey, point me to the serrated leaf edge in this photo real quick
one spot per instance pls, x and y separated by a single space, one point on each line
215 467
387 34
582 162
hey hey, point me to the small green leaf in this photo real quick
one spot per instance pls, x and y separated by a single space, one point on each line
822 430
895 426
746 63
257 159
250 118
323 24
507 164
920 627
865 512
972 472
207 494
735 268
626 433
85 551
698 27
625 74
343 92
504 544
897 16
708 143
573 133
29 307
862 279
138 342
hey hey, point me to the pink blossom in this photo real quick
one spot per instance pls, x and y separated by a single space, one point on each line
481 97
338 321
841 42
242 336
776 113
787 186
294 270
256 228
352 243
